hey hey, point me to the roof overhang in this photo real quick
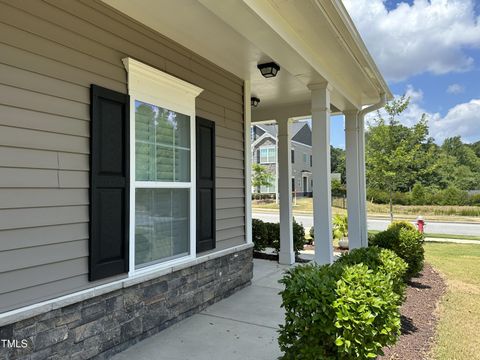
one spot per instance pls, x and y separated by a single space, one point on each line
313 41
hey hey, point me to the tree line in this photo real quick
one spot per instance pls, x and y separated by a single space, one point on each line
405 165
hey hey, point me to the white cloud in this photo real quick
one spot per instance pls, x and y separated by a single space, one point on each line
427 36
461 120
455 89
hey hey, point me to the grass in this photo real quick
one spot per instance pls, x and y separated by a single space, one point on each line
448 236
441 236
458 331
449 213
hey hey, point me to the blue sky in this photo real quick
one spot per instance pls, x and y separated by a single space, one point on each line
429 50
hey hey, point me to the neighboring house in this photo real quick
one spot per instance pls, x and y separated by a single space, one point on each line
125 196
264 152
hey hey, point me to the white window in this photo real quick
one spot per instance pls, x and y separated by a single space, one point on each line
268 154
162 162
267 189
305 158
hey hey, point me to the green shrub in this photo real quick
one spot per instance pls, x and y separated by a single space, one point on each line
340 226
419 194
298 236
273 234
451 196
259 235
474 200
267 234
397 225
406 242
337 312
378 196
383 197
401 198
383 260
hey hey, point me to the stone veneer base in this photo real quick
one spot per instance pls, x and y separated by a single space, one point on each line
106 324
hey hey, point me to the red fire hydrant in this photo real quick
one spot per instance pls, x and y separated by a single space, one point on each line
420 224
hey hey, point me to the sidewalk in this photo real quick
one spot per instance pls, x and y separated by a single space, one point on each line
241 327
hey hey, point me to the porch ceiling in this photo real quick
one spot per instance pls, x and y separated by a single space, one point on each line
310 40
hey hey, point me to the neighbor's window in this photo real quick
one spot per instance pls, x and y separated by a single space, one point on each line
268 155
162 158
305 158
267 189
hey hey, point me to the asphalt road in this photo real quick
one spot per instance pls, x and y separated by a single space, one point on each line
381 224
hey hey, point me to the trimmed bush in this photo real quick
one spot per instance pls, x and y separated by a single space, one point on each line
383 260
337 312
298 236
273 235
267 234
406 242
259 235
397 225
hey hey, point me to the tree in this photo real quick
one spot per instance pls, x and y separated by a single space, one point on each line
338 189
393 151
261 177
337 164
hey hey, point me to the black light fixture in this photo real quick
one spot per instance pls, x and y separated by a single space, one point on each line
269 70
254 101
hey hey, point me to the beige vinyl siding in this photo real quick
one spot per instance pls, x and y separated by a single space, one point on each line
51 51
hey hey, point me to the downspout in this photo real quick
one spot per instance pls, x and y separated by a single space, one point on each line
361 161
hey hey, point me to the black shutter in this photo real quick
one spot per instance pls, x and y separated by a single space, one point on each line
109 183
206 230
292 153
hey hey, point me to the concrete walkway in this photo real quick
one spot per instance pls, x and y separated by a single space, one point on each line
241 327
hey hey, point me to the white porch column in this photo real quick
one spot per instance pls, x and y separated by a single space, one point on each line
353 179
362 181
287 254
322 193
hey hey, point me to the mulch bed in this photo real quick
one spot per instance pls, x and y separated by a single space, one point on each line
274 257
419 317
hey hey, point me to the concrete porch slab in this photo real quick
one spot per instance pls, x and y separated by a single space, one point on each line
241 327
205 337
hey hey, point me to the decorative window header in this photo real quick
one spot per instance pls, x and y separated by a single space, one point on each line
160 87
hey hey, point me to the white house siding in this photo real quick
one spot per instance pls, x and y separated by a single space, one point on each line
50 53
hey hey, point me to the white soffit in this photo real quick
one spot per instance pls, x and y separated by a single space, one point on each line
236 35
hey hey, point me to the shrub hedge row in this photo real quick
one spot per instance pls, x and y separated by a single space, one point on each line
422 195
350 309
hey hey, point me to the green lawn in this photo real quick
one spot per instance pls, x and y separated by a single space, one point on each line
442 236
459 326
401 212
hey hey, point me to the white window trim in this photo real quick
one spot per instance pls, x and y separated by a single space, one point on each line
267 147
156 87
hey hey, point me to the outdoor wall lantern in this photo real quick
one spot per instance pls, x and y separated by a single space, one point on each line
254 101
269 70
